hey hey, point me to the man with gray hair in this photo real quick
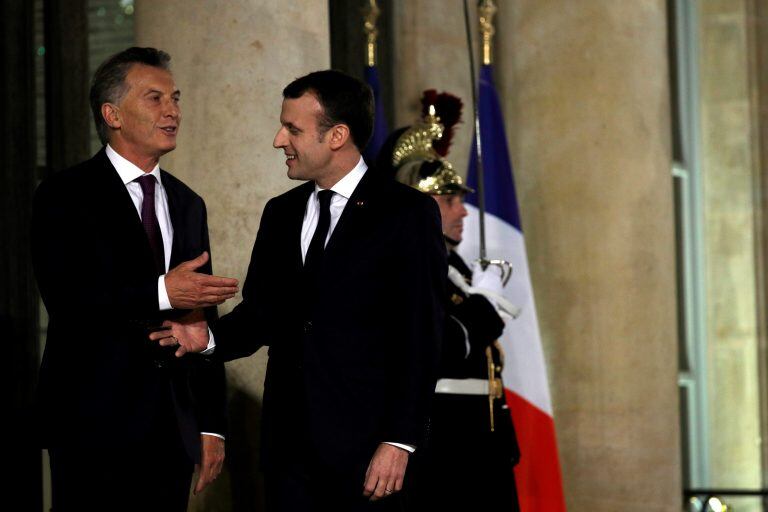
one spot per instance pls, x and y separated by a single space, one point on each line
119 246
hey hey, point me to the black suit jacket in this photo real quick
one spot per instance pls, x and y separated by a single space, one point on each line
101 378
356 351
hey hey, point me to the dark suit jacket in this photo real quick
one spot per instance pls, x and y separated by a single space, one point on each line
357 351
101 378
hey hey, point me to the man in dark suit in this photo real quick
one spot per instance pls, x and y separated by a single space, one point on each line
123 419
345 286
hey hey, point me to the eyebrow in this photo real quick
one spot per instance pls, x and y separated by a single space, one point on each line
177 92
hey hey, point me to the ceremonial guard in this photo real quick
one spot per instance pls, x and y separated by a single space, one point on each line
468 463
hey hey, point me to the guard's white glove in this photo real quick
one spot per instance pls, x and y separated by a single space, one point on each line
488 279
489 283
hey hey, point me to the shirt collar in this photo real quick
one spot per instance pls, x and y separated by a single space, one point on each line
347 185
127 170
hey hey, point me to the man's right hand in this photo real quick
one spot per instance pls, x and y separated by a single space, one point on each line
188 289
190 333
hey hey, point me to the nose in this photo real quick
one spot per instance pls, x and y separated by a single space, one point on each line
280 141
172 109
463 210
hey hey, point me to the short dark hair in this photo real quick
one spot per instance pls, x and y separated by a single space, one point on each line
108 85
344 99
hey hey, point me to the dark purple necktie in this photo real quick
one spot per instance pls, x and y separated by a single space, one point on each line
149 220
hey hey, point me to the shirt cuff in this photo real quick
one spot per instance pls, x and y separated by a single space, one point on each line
162 295
211 345
406 447
212 434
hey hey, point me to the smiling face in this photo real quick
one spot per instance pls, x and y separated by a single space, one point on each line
145 122
308 152
452 213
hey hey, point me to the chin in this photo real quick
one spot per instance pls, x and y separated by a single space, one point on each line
295 174
166 148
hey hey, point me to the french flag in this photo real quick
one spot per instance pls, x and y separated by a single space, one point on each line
539 484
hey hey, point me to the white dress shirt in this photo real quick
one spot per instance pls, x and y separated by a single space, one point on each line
343 191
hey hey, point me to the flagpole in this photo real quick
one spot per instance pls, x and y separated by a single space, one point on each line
478 142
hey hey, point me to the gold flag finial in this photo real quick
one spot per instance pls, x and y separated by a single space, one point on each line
371 15
486 10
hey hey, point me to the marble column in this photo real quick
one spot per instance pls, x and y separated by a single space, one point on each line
231 60
585 92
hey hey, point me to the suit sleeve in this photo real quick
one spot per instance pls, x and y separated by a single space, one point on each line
66 261
240 333
421 270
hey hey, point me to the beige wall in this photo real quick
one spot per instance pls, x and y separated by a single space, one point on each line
231 60
585 90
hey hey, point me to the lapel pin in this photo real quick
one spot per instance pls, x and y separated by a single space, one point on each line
360 203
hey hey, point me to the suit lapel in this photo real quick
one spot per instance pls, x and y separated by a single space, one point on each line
174 207
354 215
295 219
123 218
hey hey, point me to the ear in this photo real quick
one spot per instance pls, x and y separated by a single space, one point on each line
111 115
339 135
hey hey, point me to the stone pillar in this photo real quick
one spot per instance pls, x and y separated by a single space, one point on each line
585 90
231 60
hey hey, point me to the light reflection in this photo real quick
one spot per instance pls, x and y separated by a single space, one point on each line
715 505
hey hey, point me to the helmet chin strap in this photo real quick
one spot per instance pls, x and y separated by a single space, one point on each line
450 241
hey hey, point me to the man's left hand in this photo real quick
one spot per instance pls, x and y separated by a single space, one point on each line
385 472
212 460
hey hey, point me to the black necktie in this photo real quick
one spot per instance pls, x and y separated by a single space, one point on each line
149 220
317 245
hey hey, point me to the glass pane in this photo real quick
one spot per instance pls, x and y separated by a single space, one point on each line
729 174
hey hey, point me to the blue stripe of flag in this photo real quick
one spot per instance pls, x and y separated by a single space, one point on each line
380 129
500 196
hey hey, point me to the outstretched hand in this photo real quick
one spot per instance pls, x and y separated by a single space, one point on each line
188 289
189 332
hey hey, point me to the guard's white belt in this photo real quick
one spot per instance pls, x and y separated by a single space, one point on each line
462 386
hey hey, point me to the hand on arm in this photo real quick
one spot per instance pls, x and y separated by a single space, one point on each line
188 289
189 332
212 460
386 472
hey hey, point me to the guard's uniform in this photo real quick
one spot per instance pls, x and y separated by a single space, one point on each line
466 466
